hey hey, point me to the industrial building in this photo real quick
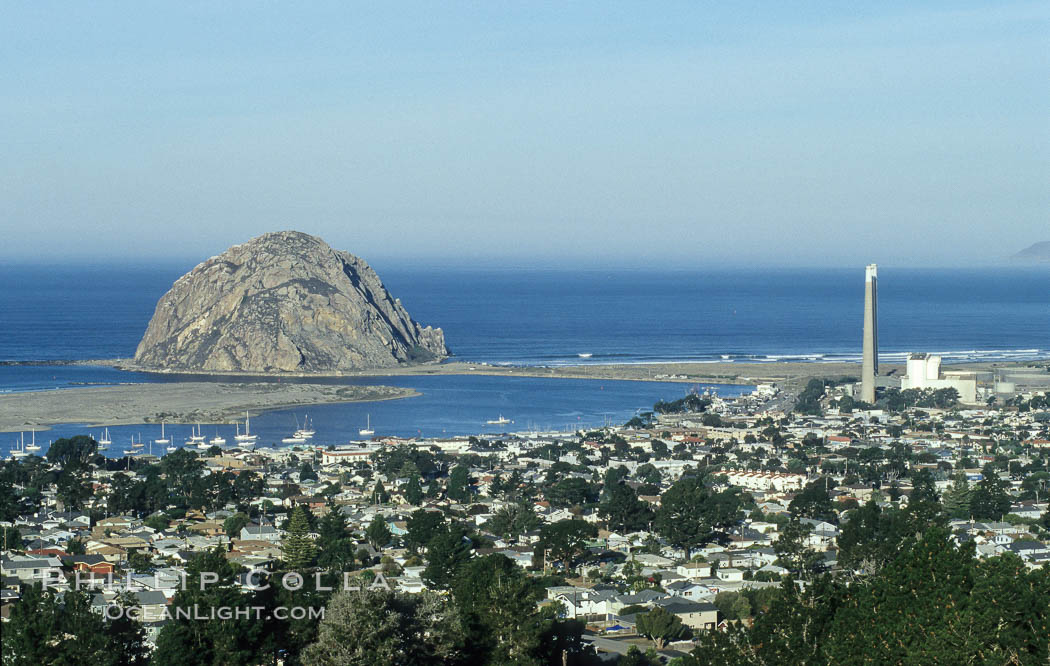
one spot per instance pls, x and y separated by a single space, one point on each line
924 372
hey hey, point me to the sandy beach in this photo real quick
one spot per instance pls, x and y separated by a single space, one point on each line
181 402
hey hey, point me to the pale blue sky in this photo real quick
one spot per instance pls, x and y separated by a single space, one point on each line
648 133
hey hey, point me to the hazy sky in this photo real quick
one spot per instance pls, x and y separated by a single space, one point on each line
644 133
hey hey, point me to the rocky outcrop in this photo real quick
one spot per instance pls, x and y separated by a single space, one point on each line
1035 253
283 302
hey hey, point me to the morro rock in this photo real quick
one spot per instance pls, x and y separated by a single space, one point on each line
283 302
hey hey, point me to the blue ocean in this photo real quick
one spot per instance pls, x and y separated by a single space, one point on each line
550 317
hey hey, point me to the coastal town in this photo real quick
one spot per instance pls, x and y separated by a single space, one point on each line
664 539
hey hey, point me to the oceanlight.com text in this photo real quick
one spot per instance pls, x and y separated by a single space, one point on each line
196 612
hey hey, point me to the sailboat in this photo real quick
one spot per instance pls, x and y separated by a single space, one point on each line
247 436
171 448
163 439
217 440
499 421
17 453
104 441
306 432
367 430
198 437
138 444
33 446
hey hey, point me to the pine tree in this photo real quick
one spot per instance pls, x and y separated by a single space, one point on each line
377 533
957 498
413 491
298 546
334 545
379 494
458 488
497 487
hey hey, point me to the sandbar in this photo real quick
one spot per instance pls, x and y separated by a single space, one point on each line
175 402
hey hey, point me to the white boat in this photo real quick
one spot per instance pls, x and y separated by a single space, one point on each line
294 439
172 448
198 437
138 444
104 441
247 436
33 446
499 421
203 446
17 452
163 439
585 355
367 430
306 432
217 440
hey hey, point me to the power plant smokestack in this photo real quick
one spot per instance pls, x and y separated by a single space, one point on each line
870 359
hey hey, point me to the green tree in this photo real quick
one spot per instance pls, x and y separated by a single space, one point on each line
232 525
211 640
80 449
413 491
958 498
447 551
378 627
298 547
497 603
733 605
458 489
990 499
622 509
377 532
933 603
335 548
792 551
10 538
813 502
647 473
513 520
181 469
689 514
423 526
565 540
158 522
379 494
497 487
661 626
572 491
140 562
73 485
248 486
307 473
50 628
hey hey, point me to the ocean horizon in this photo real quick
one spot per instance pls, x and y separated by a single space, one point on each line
595 316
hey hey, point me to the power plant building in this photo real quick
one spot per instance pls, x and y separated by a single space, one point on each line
924 372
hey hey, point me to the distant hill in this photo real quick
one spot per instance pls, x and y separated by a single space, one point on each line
1036 252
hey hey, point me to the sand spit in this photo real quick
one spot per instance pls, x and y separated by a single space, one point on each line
177 402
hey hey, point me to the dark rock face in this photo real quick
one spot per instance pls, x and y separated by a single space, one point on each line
283 302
